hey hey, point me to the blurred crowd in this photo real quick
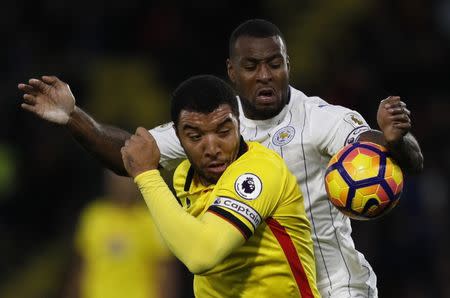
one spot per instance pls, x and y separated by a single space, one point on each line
121 60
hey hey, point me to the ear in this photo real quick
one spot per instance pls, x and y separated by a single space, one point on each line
230 71
288 63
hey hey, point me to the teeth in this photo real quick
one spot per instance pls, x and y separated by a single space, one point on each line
265 93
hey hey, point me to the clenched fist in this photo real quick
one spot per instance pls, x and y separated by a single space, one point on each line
393 119
140 153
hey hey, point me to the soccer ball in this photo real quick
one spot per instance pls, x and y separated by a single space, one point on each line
363 181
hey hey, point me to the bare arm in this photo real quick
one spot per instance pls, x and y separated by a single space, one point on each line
51 99
101 141
395 123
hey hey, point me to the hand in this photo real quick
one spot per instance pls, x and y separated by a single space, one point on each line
393 119
49 98
140 153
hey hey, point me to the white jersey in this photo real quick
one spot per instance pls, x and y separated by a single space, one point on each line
306 133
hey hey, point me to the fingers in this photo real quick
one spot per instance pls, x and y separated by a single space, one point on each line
400 118
29 99
399 110
140 131
133 140
406 126
38 84
25 88
28 108
51 80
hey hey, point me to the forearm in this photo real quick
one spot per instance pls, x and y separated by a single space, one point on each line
406 151
200 243
101 141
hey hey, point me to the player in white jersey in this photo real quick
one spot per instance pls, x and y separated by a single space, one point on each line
305 131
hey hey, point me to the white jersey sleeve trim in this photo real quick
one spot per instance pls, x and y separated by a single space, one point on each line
169 146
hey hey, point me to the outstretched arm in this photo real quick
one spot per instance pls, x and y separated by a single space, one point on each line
395 123
51 99
199 242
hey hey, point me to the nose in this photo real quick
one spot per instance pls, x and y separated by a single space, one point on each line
264 73
212 146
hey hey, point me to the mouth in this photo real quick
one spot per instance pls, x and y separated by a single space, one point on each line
217 168
265 95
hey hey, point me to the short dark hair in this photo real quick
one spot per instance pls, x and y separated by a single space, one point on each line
253 28
203 94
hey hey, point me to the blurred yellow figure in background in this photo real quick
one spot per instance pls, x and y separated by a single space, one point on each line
119 252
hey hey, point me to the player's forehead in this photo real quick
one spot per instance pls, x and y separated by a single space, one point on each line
259 47
222 115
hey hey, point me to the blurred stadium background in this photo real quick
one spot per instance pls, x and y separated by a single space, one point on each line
122 58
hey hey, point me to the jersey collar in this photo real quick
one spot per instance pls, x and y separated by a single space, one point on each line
267 122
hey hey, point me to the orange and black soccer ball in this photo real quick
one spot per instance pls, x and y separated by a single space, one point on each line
363 181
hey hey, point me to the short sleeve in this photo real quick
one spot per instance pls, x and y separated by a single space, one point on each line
169 146
249 193
333 127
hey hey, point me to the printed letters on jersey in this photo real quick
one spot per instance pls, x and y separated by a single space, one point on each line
246 211
248 186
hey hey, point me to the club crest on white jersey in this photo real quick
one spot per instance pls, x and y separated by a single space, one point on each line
248 186
283 136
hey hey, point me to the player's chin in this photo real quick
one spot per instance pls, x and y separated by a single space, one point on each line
212 176
268 111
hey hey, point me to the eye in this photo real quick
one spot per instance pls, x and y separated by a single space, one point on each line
194 137
249 67
276 63
224 131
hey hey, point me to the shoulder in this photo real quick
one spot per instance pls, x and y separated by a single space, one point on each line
259 161
328 116
259 156
181 175
98 206
315 105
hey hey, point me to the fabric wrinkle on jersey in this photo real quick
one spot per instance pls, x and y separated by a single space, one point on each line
306 133
260 197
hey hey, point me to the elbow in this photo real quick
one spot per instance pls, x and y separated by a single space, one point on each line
418 165
414 166
200 264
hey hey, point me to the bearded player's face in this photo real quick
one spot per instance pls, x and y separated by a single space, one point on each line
259 70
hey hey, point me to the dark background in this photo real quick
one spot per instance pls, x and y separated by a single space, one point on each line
121 60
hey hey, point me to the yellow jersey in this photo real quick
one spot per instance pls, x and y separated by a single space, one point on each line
260 197
121 251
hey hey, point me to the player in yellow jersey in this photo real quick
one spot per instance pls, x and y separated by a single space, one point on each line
118 250
242 229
